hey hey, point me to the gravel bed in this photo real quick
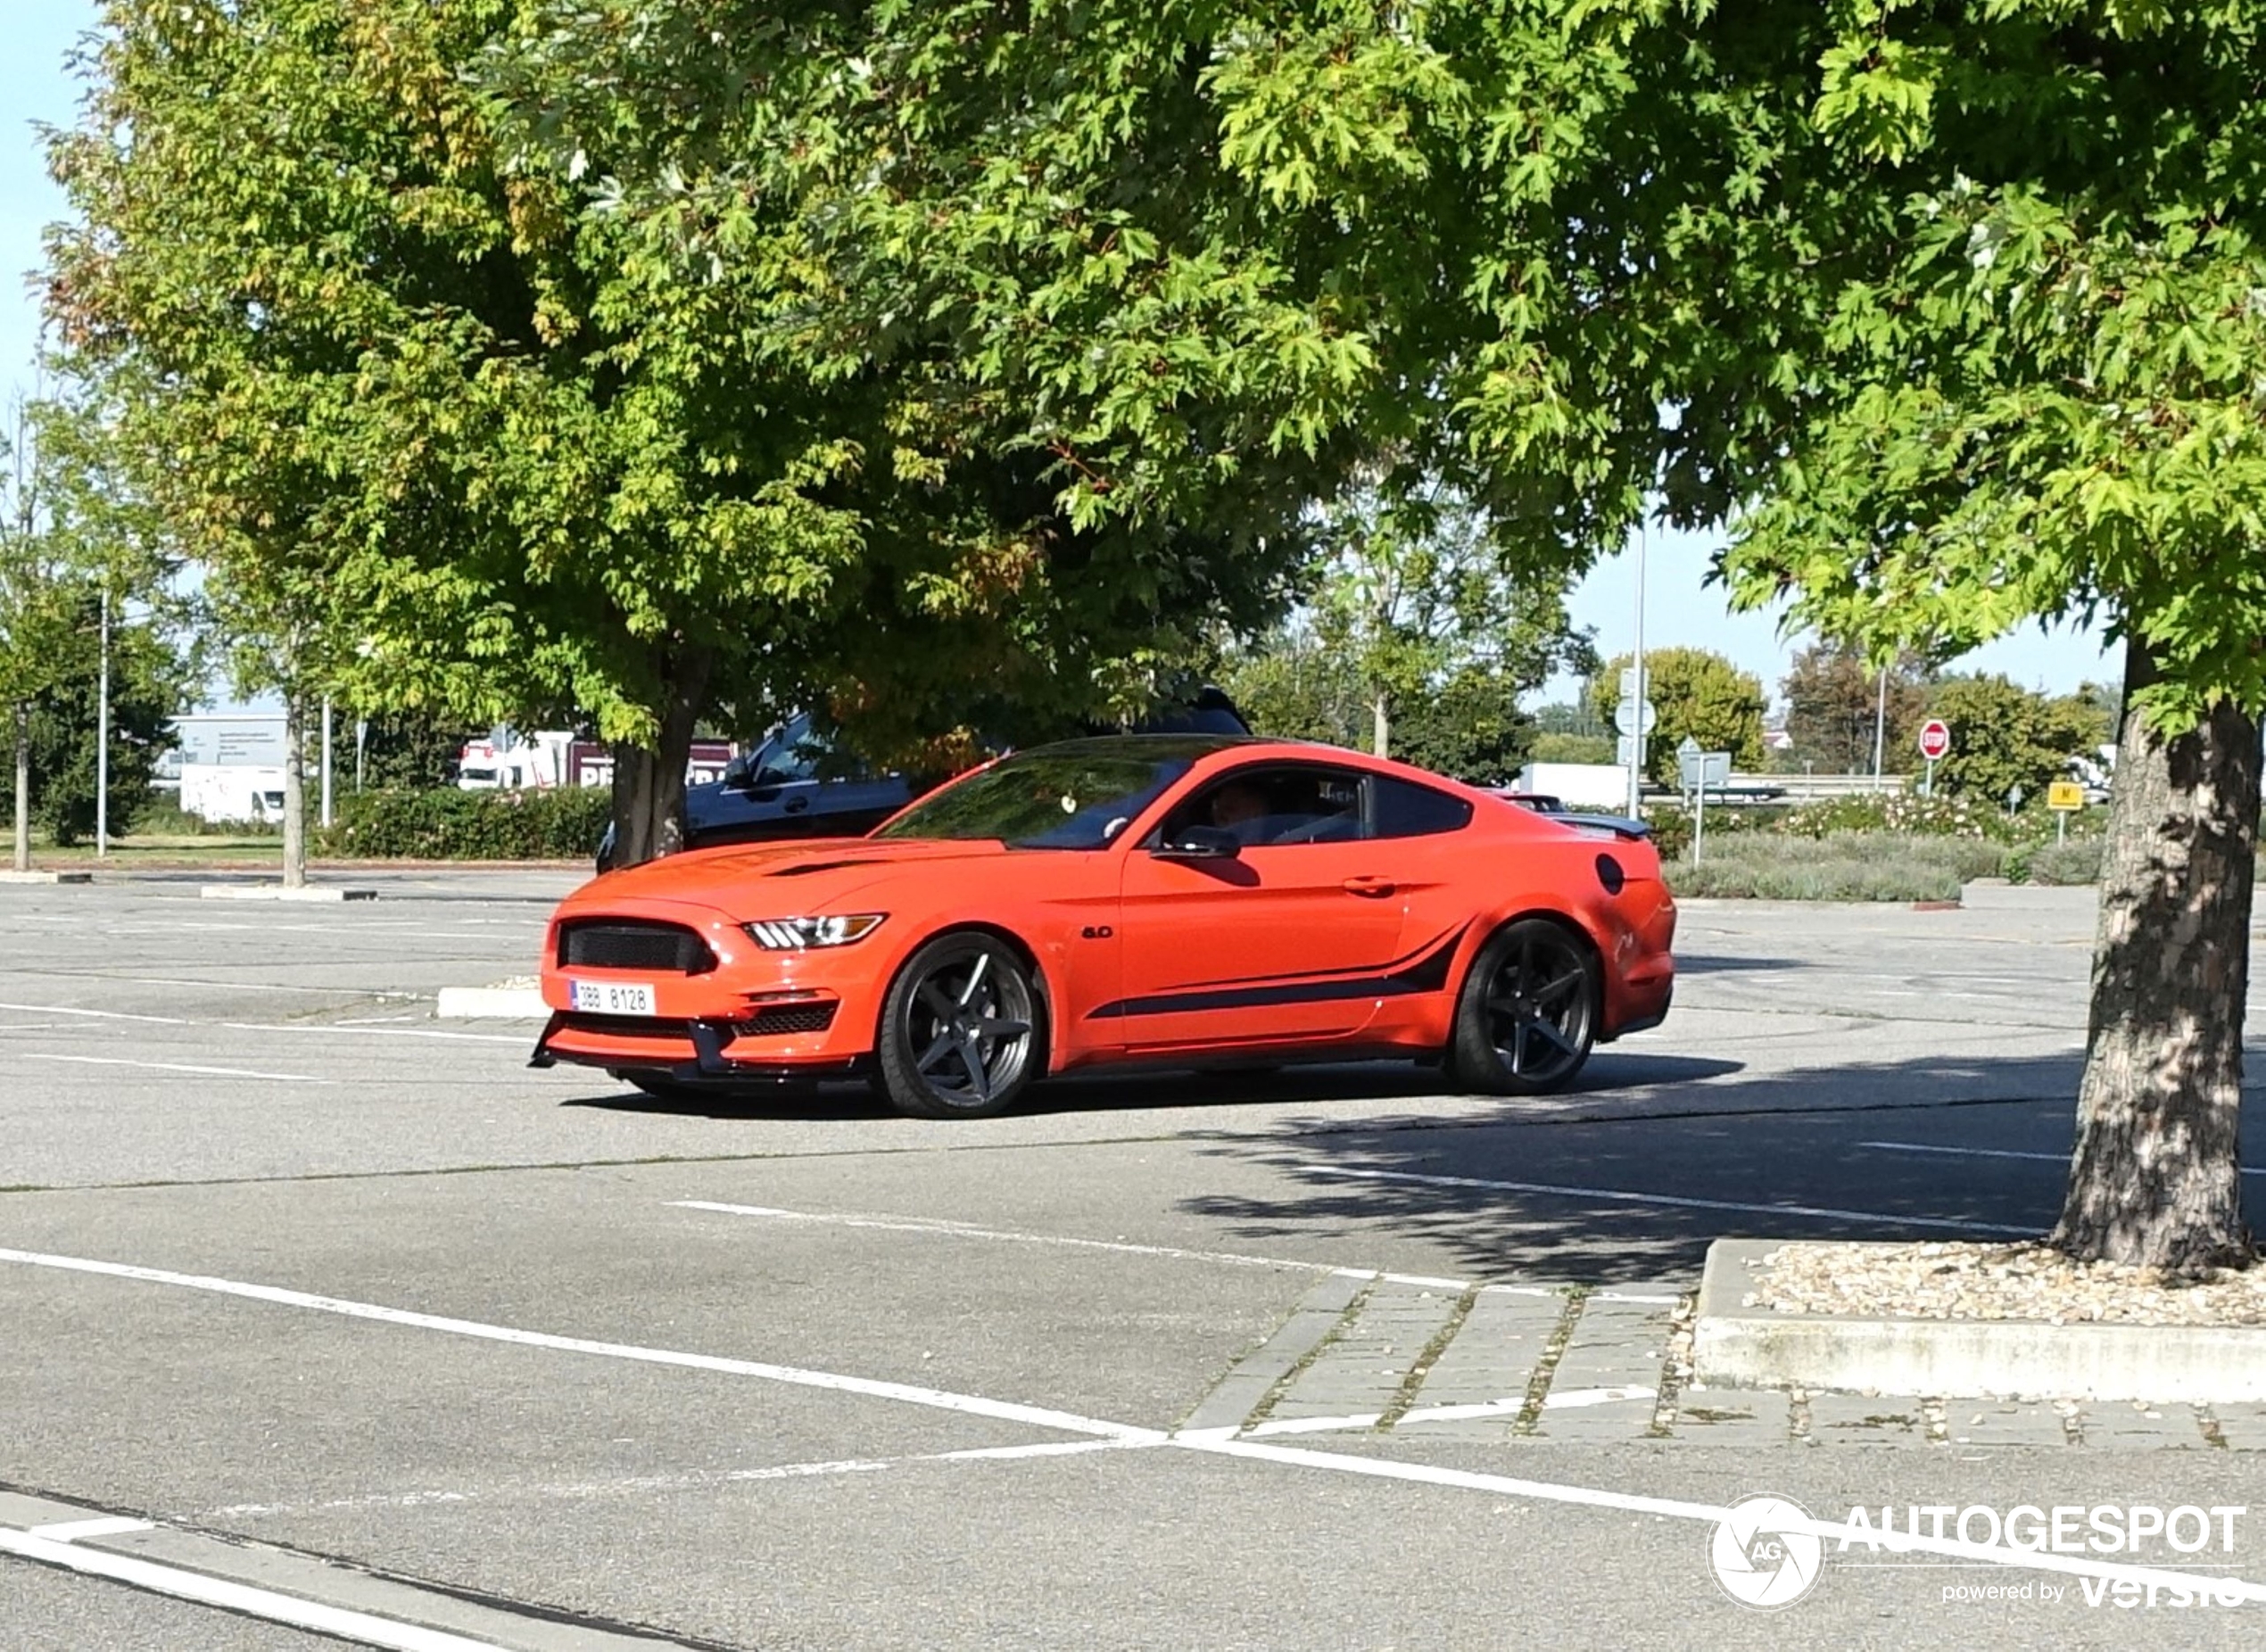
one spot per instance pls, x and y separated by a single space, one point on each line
1994 1282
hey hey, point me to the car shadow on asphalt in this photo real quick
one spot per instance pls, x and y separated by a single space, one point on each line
1129 1089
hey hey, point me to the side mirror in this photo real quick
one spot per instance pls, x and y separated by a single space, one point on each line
736 771
1199 843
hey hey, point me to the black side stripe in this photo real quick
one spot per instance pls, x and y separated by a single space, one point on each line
1426 973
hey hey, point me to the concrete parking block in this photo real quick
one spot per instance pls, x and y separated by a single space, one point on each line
1736 1345
476 1004
35 876
319 892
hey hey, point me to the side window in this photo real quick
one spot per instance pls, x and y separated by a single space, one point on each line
1265 807
1403 809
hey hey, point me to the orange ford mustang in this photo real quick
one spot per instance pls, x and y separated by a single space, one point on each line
1185 899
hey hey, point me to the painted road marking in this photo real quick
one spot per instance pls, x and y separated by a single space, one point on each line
1615 1195
1218 1441
169 1067
229 1597
105 1525
1231 1259
973 1405
1994 1153
700 1482
264 1027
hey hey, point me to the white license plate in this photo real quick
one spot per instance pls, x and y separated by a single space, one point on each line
613 997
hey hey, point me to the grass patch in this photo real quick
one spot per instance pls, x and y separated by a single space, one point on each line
1845 867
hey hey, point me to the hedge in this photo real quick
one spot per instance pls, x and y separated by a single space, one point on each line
447 824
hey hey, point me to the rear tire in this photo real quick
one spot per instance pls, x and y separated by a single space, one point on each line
1528 1016
960 1029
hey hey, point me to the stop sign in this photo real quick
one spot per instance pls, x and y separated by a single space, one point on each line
1935 739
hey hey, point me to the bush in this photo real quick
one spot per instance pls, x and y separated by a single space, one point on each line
2078 860
1903 813
1848 866
446 824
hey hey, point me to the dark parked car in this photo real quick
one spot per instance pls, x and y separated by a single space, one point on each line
1542 803
777 790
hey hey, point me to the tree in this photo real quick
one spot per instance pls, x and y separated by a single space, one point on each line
71 534
1294 686
2005 737
2002 365
1833 696
36 575
1414 596
149 681
1697 695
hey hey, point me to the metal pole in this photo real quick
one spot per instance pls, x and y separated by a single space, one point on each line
1637 718
1928 784
1881 729
1699 813
326 759
361 749
102 741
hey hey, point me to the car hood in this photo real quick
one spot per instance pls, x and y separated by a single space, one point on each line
808 874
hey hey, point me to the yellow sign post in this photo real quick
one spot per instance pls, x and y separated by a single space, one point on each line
2065 798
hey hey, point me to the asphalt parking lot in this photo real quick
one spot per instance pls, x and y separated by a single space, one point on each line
346 1317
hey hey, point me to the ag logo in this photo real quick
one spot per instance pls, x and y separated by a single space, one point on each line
1760 1556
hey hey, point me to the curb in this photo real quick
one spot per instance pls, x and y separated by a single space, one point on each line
1735 1346
487 1004
277 892
46 876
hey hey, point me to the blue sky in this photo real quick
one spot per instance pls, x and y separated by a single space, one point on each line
1680 610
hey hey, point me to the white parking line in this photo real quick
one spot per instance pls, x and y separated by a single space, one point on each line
1230 1258
267 1027
1994 1153
1218 1443
973 1405
260 1603
1615 1195
102 1525
698 1482
169 1067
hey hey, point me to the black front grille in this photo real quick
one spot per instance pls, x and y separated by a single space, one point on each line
788 1018
633 943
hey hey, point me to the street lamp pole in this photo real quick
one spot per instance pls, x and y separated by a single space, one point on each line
1636 716
101 740
1880 727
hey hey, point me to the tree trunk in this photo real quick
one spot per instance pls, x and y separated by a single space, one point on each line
23 786
648 782
1380 712
294 823
2152 1181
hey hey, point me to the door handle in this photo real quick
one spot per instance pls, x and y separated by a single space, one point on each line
796 805
1374 887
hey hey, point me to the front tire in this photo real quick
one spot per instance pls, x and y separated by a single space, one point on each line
1528 1016
959 1034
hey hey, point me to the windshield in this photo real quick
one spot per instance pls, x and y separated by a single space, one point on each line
1078 796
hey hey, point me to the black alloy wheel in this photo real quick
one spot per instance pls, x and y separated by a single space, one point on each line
1529 1013
959 1036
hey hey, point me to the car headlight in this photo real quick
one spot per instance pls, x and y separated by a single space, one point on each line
794 934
